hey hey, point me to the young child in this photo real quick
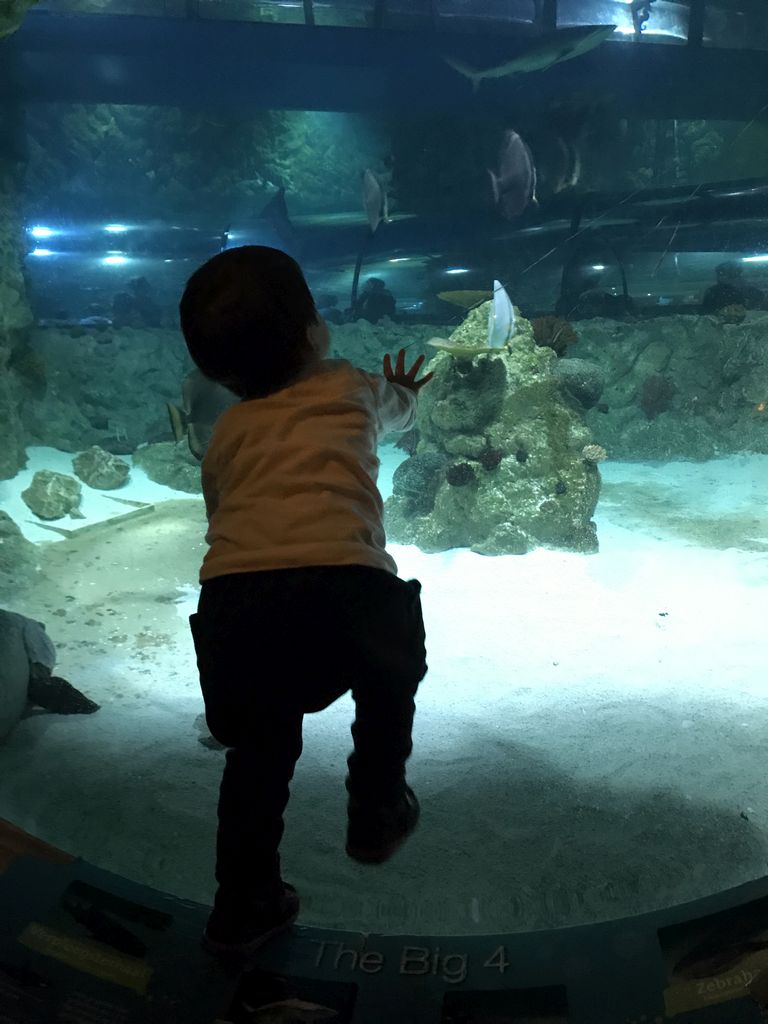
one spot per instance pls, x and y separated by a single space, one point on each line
300 602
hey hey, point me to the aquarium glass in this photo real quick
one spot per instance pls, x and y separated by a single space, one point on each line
576 240
736 24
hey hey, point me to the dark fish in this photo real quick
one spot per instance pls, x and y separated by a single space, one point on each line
203 401
375 201
275 212
514 184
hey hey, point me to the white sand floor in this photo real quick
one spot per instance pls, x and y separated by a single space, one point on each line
590 740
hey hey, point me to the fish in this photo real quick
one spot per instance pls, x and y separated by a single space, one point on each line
501 318
453 348
569 172
203 401
514 184
552 49
466 299
375 202
501 328
275 212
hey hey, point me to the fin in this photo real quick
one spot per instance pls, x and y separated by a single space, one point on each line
196 446
460 66
494 186
467 70
178 421
55 694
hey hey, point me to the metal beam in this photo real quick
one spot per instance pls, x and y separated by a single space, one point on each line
546 15
309 12
379 12
240 67
696 23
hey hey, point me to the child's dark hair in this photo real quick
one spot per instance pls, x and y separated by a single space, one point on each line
244 316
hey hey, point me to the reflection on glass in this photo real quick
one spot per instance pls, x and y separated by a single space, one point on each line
736 24
632 246
660 21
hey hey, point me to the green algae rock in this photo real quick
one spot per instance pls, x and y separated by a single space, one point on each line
514 477
12 14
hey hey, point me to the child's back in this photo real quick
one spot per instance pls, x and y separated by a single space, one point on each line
290 479
300 601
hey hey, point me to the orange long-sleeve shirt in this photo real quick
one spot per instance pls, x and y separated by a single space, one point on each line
290 480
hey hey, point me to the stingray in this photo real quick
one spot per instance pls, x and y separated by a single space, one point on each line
27 658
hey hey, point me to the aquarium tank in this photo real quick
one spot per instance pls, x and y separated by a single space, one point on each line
562 205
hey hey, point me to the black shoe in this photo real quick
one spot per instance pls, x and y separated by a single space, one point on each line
244 928
374 835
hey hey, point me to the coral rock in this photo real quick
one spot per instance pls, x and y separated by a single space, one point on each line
53 495
656 395
553 332
460 474
99 468
594 453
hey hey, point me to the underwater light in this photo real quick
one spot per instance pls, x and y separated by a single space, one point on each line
38 231
598 266
400 259
41 252
755 259
115 259
116 229
457 270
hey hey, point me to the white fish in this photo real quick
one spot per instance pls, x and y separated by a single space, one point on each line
501 318
375 199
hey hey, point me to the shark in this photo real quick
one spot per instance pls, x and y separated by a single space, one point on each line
554 48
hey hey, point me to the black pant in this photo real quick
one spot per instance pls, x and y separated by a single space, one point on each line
273 646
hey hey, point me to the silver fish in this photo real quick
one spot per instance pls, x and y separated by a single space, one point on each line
501 318
203 401
501 329
569 172
375 201
543 53
514 183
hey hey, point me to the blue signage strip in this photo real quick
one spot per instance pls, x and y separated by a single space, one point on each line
84 946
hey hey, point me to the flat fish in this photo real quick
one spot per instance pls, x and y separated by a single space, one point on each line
203 401
466 299
374 200
514 181
501 318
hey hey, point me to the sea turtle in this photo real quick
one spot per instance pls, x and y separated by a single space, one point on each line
27 657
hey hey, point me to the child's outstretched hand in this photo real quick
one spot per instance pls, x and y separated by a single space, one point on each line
399 374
